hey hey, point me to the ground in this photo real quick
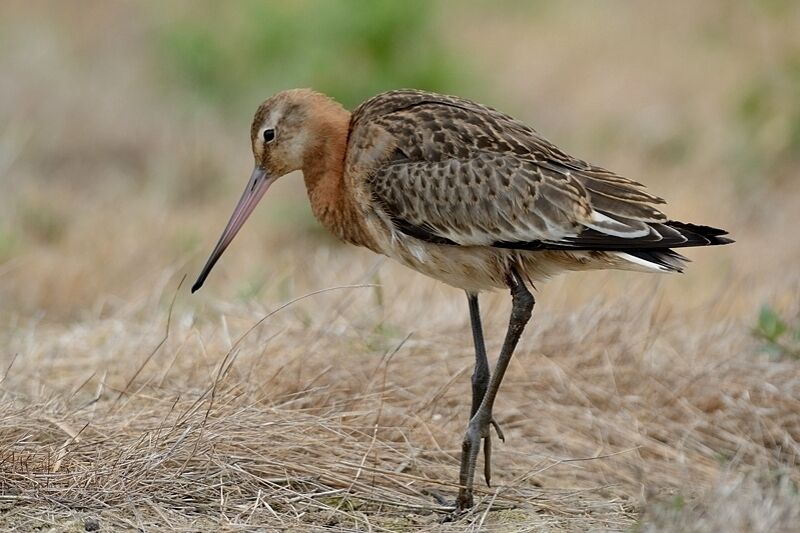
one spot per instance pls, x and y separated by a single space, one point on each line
313 386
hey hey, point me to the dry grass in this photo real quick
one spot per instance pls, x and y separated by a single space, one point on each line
314 386
321 415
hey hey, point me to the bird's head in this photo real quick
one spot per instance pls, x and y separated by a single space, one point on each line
289 132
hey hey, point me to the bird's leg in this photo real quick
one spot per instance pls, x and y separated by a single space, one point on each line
521 309
480 377
480 380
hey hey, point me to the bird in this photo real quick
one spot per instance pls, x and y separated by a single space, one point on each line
464 194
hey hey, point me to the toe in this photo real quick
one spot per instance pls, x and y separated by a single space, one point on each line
499 431
487 461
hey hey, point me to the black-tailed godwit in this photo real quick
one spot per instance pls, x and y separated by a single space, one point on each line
464 194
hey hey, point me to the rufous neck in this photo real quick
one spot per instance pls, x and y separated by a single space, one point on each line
332 193
323 163
329 192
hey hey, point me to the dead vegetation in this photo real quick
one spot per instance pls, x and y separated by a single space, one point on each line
336 423
314 386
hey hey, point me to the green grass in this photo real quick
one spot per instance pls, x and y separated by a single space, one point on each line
228 57
781 338
767 120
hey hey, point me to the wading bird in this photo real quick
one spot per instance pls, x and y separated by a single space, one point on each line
464 194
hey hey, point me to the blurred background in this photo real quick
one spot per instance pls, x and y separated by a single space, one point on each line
124 144
124 127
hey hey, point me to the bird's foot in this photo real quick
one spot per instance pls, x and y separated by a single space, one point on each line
499 431
478 429
465 501
439 498
487 451
454 512
453 516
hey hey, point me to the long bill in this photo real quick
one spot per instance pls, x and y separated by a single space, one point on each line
259 182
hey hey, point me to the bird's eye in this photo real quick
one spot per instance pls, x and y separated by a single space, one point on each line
269 134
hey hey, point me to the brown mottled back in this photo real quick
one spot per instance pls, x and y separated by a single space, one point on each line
465 173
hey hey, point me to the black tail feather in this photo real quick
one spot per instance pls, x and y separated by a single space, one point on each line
651 248
695 235
666 235
702 235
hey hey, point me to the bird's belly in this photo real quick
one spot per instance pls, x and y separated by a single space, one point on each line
474 268
470 268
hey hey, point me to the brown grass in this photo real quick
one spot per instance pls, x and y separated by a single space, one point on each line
314 386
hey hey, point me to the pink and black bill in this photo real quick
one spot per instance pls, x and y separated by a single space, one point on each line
256 187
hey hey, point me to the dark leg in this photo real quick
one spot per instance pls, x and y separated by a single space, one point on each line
480 380
480 377
522 307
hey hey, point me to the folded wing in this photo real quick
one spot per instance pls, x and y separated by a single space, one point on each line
451 171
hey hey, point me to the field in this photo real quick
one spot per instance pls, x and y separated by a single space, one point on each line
315 386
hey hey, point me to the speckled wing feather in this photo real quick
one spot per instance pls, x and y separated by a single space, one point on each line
449 170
